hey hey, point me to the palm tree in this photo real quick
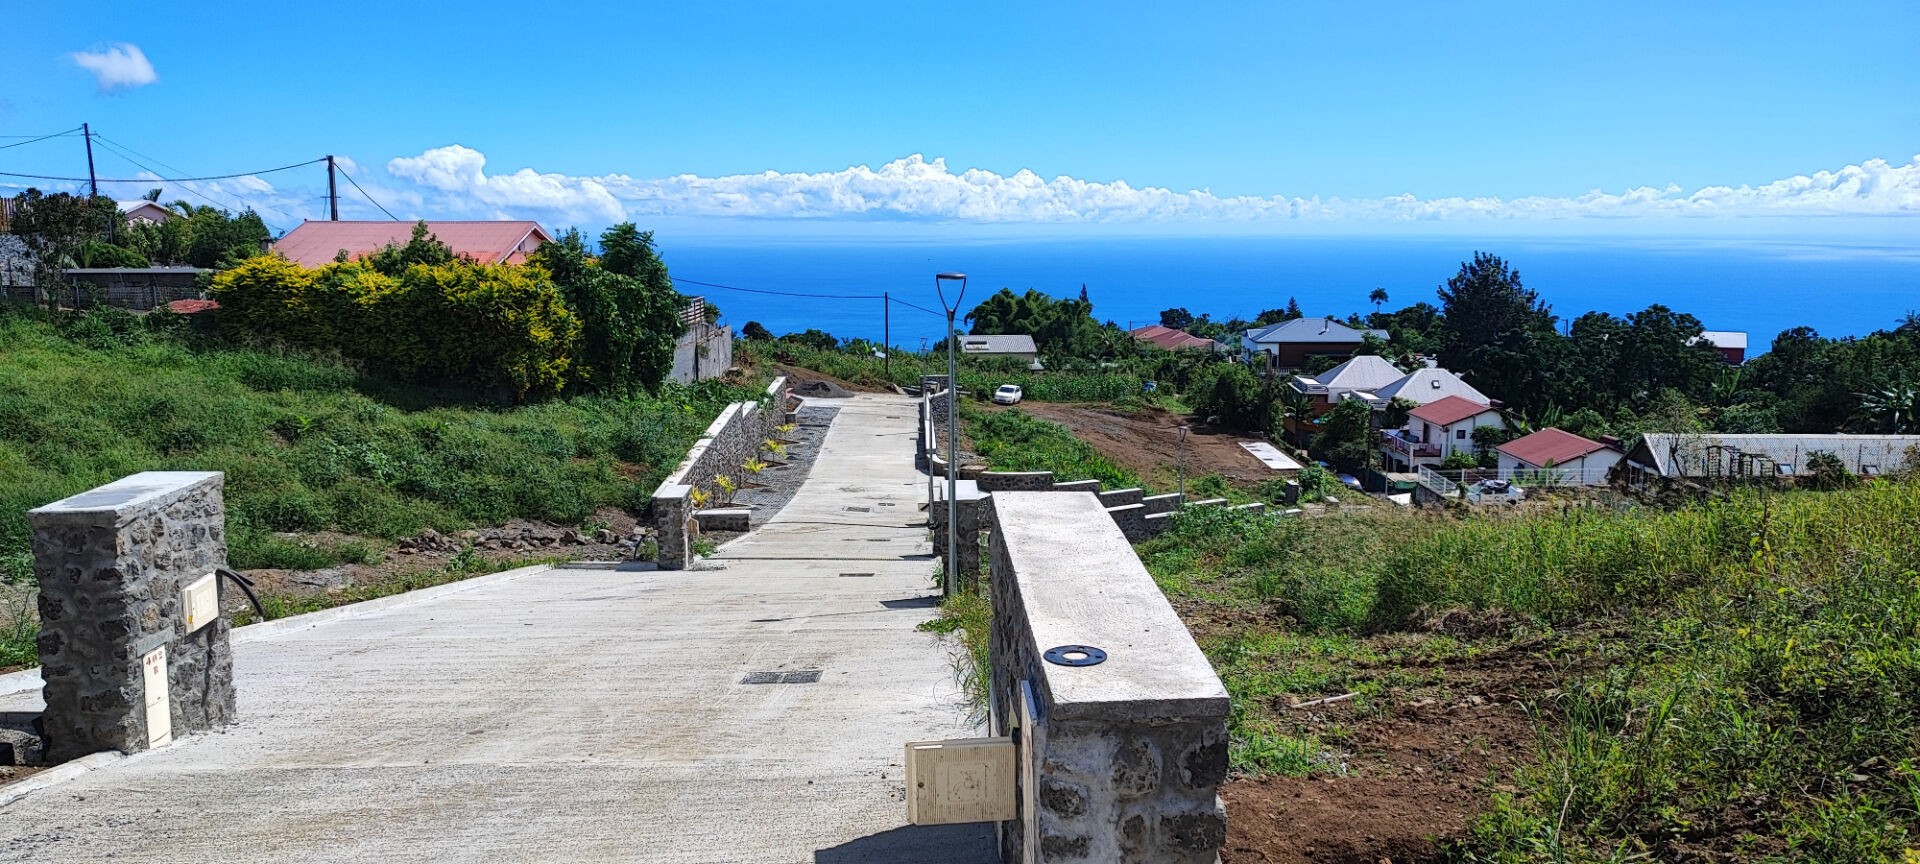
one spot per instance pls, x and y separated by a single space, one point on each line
152 195
1295 406
1377 298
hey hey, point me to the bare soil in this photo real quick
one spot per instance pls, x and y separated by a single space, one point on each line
1418 770
1145 441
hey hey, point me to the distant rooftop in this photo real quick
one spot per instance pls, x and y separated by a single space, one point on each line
989 345
1365 372
1449 410
315 243
1171 339
1310 330
1431 384
1724 338
1550 446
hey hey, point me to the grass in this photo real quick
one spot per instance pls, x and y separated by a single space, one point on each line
1760 691
307 445
1014 440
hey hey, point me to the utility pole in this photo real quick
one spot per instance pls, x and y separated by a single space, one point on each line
886 335
86 131
333 192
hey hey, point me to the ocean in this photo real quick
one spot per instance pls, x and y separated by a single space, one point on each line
1759 287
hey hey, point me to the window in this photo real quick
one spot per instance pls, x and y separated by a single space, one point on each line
1460 434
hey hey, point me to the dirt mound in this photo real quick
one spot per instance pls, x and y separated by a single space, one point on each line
821 390
1147 442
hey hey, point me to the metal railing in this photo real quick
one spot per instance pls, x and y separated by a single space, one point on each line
1409 446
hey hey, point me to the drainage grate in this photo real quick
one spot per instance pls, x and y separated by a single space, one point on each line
856 574
859 509
877 540
886 503
810 676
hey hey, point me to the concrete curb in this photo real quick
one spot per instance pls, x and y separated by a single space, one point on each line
267 629
57 774
21 681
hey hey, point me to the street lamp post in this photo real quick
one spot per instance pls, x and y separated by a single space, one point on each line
953 426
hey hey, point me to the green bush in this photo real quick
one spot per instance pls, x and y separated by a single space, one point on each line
1013 440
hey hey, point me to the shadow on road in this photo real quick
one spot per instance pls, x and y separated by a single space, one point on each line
917 844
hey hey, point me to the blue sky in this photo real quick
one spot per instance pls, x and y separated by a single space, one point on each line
1218 118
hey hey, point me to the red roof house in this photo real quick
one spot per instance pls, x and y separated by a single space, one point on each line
1581 461
1171 339
1450 410
504 242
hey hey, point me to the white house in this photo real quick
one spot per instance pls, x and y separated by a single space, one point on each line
1577 461
1288 344
144 211
1435 431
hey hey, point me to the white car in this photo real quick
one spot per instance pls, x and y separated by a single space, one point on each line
1008 394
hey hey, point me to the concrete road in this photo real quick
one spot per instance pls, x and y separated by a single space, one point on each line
575 714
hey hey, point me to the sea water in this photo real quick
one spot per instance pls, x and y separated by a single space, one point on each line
1762 288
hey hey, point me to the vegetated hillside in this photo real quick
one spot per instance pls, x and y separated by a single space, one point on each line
1736 680
306 444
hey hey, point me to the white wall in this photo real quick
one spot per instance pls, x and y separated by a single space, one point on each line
1588 470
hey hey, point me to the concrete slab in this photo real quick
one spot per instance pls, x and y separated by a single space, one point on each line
579 715
1270 456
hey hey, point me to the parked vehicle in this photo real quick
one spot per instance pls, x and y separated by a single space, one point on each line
1008 394
1351 482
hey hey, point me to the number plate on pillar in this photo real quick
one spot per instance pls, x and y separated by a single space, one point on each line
963 780
153 673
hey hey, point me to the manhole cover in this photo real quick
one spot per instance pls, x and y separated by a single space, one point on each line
810 676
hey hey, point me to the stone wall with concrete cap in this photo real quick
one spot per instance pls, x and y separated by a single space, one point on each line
730 440
1128 754
1017 481
111 564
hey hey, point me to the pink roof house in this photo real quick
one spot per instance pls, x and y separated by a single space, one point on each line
505 242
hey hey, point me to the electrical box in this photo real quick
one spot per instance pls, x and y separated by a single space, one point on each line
200 602
962 780
153 674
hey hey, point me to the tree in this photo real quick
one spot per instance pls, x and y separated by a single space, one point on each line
421 248
1176 318
1378 297
630 317
1499 332
1296 408
1346 434
756 332
56 227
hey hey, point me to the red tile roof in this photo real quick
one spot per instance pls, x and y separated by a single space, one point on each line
1170 339
1448 411
189 307
315 243
1550 446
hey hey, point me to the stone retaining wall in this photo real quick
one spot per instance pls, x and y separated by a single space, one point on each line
1123 759
112 564
733 438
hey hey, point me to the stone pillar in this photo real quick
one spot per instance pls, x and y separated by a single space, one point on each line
125 668
1122 759
672 509
971 521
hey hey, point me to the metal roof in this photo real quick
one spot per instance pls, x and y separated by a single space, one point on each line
1431 385
314 243
1449 410
1012 344
1550 446
1310 330
1669 454
1365 372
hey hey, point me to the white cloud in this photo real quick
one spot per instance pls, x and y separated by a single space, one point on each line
458 175
919 189
117 66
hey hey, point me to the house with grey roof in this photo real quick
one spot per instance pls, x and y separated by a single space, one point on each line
1712 455
1014 346
1288 344
1430 384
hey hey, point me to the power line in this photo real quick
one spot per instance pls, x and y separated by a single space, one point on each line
116 148
780 293
36 140
363 192
911 306
167 179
